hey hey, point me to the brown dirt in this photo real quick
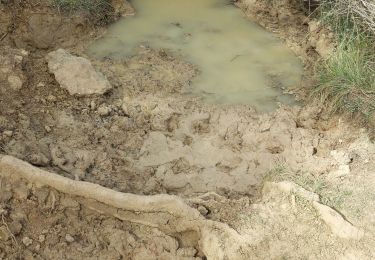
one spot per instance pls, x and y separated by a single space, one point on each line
156 138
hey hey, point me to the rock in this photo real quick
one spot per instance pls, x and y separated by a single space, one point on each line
15 82
27 241
104 111
41 84
92 105
8 133
69 238
51 98
18 59
338 225
203 210
47 128
42 238
76 74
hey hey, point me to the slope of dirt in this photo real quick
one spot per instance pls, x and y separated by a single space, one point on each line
149 135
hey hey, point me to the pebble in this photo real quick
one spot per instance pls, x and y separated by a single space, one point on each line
18 59
51 98
104 111
27 241
69 238
92 105
203 210
47 128
41 84
8 133
42 238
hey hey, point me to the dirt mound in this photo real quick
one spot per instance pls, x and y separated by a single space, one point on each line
35 26
307 38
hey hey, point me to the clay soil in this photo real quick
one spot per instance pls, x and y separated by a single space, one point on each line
150 136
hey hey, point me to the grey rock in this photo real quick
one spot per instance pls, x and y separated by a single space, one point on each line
76 74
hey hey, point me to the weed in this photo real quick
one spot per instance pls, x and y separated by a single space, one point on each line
346 81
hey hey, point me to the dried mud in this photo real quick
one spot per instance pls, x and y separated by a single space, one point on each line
149 136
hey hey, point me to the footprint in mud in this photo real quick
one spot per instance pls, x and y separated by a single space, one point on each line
235 56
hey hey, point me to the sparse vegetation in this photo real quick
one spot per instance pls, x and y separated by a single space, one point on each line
346 81
330 194
100 11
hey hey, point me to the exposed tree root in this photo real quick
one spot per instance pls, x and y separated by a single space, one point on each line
165 212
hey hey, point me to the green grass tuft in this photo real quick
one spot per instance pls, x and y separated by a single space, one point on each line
346 81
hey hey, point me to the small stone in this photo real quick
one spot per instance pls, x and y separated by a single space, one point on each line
41 84
51 98
92 105
18 59
47 128
69 238
24 52
42 238
37 247
104 111
15 82
8 133
27 241
203 210
76 74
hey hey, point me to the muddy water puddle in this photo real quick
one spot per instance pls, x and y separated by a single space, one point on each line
239 62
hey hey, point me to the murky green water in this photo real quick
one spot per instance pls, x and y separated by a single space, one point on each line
239 61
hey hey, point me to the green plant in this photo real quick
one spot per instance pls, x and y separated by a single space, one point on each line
346 81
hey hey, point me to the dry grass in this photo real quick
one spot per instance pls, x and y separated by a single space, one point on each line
99 11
